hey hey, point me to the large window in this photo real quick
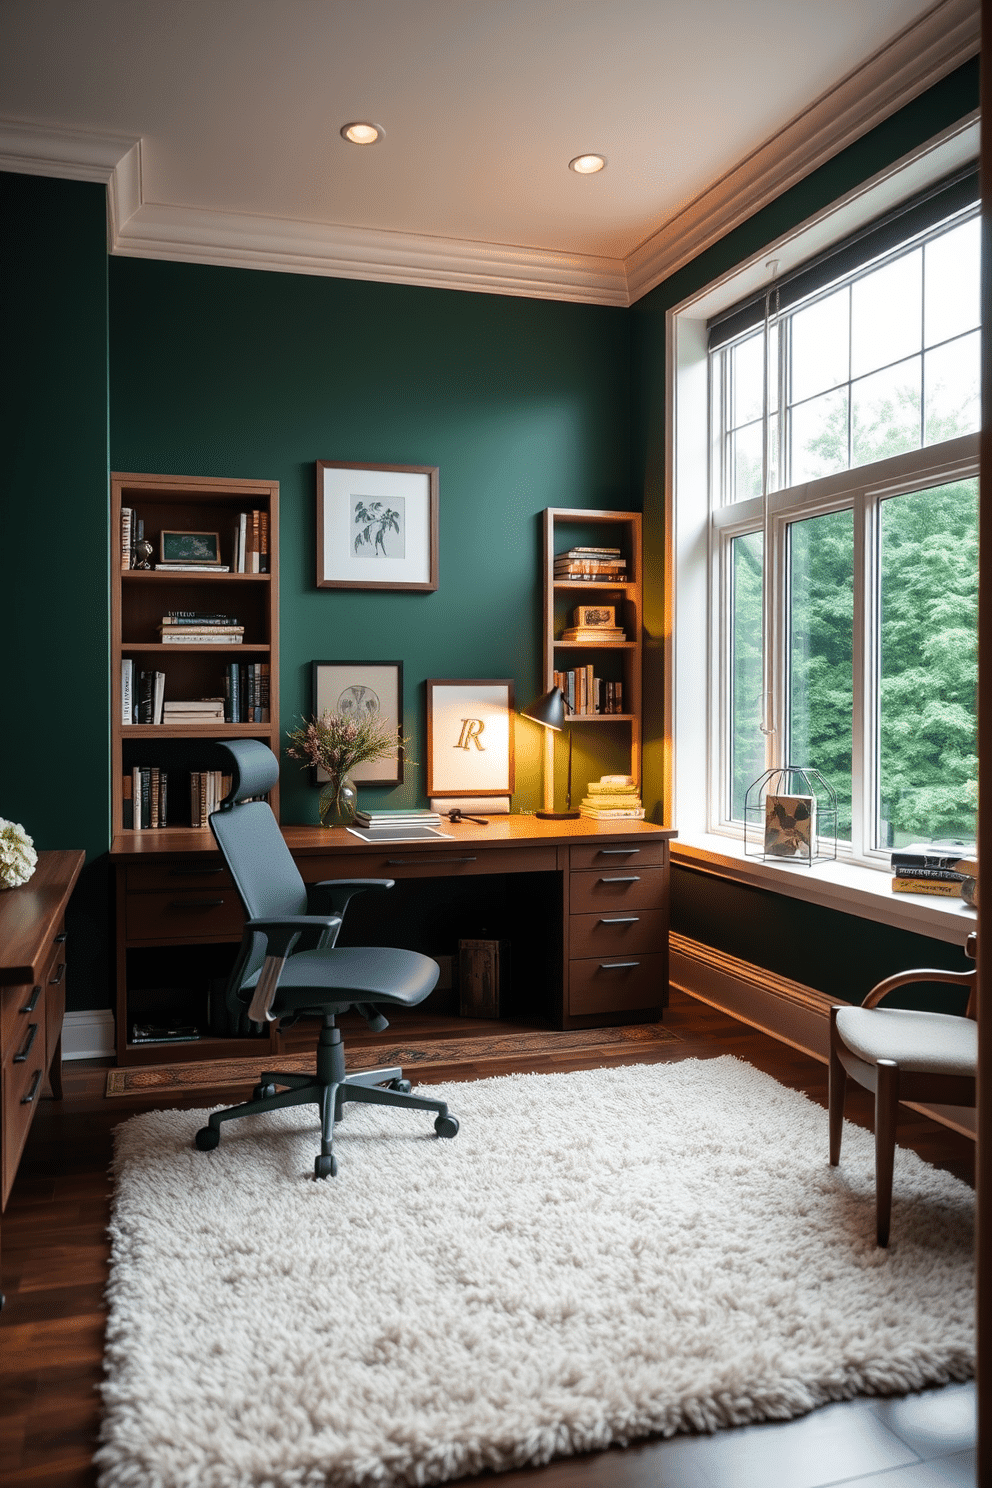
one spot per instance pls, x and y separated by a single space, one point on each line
843 542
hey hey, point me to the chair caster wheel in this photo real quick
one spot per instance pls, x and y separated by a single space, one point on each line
207 1138
403 1087
325 1167
446 1126
262 1092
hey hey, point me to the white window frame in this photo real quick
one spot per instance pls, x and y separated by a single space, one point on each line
692 774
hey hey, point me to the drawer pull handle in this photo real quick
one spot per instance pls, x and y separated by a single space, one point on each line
21 1058
418 862
60 973
27 1099
196 903
32 1001
194 872
617 852
631 878
622 920
617 965
60 938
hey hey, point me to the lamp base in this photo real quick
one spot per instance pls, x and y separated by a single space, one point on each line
558 815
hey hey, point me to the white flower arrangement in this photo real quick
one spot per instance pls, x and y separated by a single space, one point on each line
17 855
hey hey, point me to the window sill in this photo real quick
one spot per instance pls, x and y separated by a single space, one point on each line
839 885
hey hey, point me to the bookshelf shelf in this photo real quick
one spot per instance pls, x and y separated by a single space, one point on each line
596 646
174 649
199 575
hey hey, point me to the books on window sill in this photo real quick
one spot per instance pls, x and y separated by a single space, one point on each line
612 797
938 887
586 693
933 868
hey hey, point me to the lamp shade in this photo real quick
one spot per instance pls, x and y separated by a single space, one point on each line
548 709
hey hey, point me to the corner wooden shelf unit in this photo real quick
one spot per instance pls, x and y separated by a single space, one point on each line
618 661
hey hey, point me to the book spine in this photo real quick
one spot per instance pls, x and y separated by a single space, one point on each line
146 796
163 799
146 696
159 697
266 687
944 875
127 517
154 787
127 802
256 543
127 691
263 557
925 886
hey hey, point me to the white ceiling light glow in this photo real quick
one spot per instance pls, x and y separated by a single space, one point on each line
361 133
587 165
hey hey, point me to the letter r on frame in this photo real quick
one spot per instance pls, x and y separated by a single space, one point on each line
471 729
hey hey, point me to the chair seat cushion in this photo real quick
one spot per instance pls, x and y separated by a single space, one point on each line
347 974
919 1042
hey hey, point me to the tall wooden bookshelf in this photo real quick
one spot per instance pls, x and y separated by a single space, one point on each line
139 600
613 660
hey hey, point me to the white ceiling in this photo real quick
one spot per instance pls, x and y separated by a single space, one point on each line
236 108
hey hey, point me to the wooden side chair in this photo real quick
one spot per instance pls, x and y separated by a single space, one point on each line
901 1055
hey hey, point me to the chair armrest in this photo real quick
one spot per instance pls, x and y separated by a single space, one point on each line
331 895
905 978
282 932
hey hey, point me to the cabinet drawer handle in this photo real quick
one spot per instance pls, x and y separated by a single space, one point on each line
194 872
60 938
196 903
21 1058
617 852
631 878
622 920
32 1001
60 973
415 862
27 1099
617 965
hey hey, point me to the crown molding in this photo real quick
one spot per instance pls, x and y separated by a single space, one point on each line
922 53
947 35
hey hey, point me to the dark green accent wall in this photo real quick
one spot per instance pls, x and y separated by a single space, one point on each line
745 922
54 509
521 403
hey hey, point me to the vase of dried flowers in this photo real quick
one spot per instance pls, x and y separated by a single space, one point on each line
336 743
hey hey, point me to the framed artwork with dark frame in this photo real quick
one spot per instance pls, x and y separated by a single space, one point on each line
469 738
377 526
362 689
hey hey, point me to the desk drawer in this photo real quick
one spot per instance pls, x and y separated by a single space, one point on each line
623 932
178 875
617 888
21 1006
617 984
180 915
620 855
23 1075
449 861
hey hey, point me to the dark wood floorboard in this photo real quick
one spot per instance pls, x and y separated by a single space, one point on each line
55 1249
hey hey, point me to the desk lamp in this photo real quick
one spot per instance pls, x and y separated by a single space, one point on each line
549 711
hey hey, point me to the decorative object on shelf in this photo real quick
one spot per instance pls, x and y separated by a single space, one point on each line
189 547
790 815
18 858
549 711
141 556
335 744
377 526
363 689
469 738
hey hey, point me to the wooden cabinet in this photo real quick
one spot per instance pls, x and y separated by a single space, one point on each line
617 929
610 663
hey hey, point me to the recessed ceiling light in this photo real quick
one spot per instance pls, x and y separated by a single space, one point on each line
362 134
587 165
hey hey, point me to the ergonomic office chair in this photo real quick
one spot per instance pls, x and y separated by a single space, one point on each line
902 1055
289 964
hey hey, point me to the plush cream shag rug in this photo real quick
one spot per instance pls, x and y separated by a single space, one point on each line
594 1258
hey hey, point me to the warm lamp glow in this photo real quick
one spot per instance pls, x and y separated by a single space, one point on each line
361 134
587 165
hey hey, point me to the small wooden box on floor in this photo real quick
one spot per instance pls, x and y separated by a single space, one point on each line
481 963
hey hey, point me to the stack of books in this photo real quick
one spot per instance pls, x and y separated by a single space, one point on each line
591 565
193 711
931 868
193 626
612 797
398 817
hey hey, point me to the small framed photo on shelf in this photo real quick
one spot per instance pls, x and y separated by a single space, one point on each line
362 689
469 738
377 526
790 827
189 547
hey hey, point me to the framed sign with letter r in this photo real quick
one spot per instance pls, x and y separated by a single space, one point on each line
469 738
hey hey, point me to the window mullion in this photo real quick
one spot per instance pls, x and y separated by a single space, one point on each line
864 660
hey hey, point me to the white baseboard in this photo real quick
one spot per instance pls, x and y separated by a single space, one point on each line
787 1010
88 1035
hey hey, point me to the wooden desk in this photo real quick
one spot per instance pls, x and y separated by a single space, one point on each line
32 998
610 940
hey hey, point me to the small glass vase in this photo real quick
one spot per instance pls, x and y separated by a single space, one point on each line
338 802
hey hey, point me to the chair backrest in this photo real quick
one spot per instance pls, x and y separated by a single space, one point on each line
246 831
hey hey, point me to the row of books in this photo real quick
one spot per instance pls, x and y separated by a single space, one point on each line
251 542
612 797
142 694
247 692
928 868
604 565
586 693
200 627
246 699
146 803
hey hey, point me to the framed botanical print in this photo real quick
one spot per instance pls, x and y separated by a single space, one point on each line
363 689
377 526
469 738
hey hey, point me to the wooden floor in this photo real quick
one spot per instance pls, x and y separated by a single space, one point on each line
55 1255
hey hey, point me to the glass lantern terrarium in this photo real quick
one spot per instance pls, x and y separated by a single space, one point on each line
790 816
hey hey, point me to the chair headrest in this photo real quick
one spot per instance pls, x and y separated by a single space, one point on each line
255 771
